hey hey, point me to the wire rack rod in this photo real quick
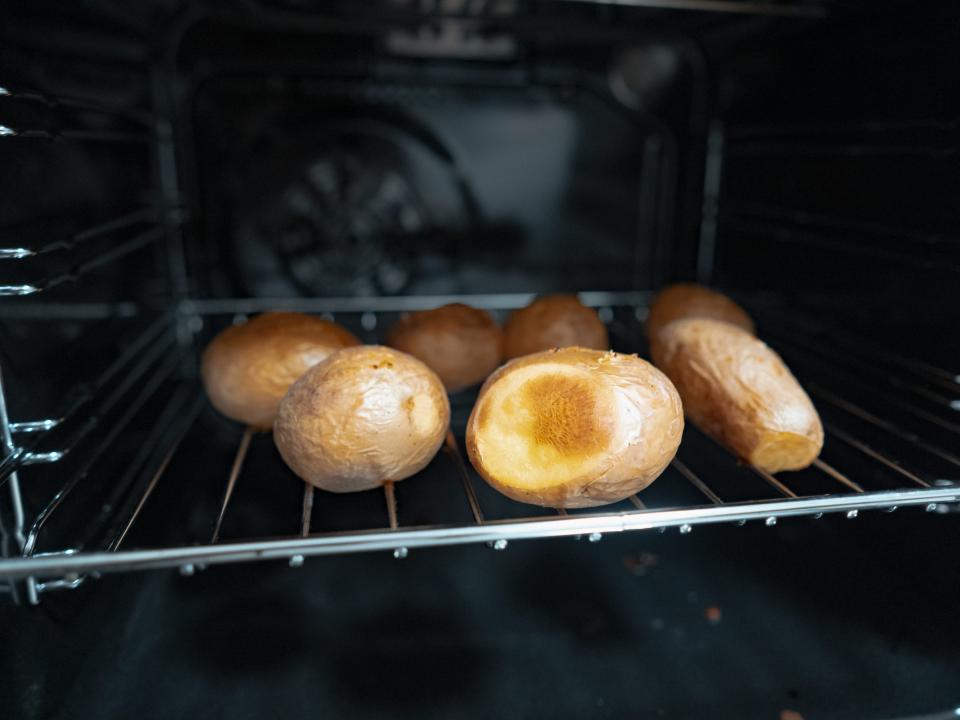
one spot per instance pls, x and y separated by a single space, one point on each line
90 421
696 482
886 425
825 370
119 136
771 480
637 502
737 7
191 416
126 220
825 355
133 407
55 101
307 512
238 460
867 450
774 232
406 303
789 147
444 535
860 347
391 500
836 475
78 271
845 224
453 452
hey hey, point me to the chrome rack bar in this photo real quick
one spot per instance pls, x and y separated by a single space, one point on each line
772 232
391 499
742 7
886 425
33 426
54 101
113 499
437 536
696 482
792 130
867 450
805 217
32 310
232 479
307 513
859 346
149 388
855 365
453 451
25 453
836 475
499 301
777 147
131 218
191 415
399 551
784 490
48 283
812 361
75 134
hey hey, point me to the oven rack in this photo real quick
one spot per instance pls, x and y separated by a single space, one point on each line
856 472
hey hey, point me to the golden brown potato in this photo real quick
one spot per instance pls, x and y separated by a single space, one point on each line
687 300
739 392
574 427
365 416
460 343
248 368
550 322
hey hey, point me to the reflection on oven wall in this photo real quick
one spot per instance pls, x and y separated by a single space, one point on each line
454 192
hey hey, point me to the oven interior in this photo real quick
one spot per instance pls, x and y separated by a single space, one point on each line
172 168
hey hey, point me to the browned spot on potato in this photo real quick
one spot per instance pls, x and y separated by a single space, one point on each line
564 416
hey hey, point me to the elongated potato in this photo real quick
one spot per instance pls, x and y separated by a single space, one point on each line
687 300
574 427
739 392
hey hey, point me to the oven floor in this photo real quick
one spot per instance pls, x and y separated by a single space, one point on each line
829 618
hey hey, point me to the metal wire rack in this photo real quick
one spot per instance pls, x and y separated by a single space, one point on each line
888 424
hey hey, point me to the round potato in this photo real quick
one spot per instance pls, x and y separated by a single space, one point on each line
739 392
462 344
365 416
551 322
574 427
687 300
248 368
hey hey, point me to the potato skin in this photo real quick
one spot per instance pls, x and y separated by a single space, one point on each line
364 416
574 427
462 344
739 391
550 322
248 368
687 300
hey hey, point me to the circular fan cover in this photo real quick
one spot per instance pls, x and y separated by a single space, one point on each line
340 220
